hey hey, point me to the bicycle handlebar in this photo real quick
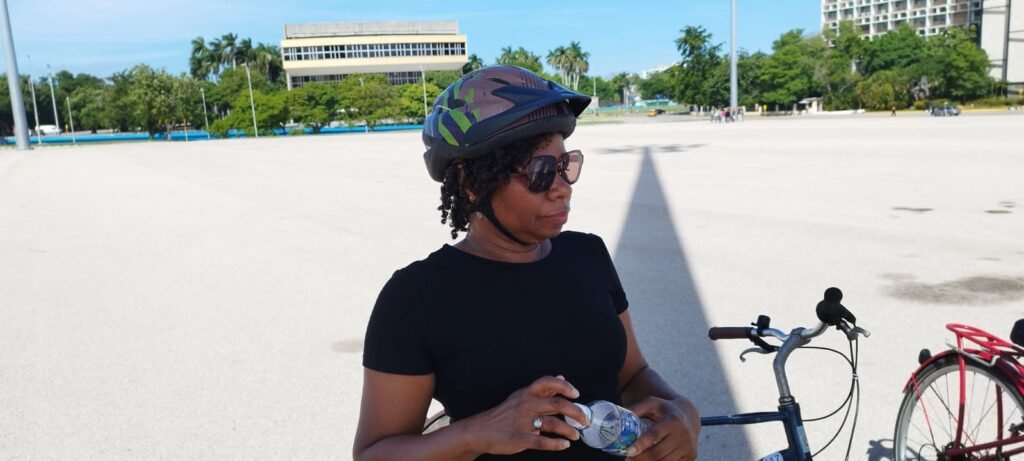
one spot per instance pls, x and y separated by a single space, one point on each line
830 312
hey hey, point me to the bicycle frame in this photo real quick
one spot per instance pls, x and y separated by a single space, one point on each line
993 352
788 415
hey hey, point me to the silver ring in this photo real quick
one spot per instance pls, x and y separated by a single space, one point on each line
537 423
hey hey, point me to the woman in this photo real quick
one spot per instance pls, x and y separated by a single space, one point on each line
517 320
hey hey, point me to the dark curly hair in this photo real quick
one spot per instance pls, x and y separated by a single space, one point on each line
481 177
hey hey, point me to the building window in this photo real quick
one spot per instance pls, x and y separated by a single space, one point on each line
376 50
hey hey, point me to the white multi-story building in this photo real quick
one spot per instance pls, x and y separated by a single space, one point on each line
1001 27
401 50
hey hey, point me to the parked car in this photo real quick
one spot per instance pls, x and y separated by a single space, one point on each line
48 129
655 112
946 110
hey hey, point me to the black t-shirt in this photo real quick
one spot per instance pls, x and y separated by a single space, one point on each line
487 328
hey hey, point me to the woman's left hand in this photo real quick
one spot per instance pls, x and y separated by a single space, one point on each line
673 436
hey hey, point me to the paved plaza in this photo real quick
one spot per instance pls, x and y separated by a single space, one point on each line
208 300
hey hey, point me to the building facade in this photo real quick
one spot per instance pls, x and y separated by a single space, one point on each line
402 51
1001 27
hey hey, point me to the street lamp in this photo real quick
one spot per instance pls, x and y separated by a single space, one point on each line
366 123
733 98
252 103
72 121
206 119
423 79
53 98
35 108
14 82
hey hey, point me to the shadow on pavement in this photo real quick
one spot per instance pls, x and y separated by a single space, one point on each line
664 148
668 314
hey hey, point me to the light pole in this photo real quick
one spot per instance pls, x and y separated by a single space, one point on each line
252 103
733 98
72 121
366 123
206 119
35 108
14 82
423 78
53 98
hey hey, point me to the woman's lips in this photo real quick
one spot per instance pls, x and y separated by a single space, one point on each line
560 218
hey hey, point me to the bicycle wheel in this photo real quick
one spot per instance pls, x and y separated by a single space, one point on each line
927 420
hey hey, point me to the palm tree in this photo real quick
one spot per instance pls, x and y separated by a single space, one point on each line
267 59
579 62
557 60
199 61
507 56
244 51
472 63
216 58
229 50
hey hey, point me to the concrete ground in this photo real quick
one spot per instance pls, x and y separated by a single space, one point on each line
208 300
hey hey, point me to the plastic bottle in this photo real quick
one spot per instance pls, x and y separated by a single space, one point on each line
612 428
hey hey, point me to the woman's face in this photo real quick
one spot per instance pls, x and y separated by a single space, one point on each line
534 217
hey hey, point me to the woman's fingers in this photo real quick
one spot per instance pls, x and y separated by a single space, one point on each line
549 386
539 442
556 426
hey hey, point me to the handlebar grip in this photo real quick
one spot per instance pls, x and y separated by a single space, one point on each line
716 333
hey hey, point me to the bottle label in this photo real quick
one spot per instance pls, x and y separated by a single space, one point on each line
619 443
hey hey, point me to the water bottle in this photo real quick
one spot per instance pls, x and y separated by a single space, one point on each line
612 428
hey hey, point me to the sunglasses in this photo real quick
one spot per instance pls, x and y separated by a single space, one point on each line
540 172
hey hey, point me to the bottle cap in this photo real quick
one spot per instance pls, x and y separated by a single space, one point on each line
587 411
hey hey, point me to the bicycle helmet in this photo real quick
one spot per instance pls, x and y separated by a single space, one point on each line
491 107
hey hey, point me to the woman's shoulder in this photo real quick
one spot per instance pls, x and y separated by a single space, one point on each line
432 266
581 240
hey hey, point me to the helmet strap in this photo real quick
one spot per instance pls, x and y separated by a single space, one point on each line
489 213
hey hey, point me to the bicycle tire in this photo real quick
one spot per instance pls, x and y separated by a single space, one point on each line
925 425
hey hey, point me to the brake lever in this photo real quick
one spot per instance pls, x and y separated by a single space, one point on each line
861 331
752 349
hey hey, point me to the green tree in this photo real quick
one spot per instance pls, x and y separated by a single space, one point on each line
884 89
520 57
658 84
232 83
699 60
90 108
473 62
411 97
788 74
750 70
957 65
899 48
368 98
443 78
151 97
836 71
314 104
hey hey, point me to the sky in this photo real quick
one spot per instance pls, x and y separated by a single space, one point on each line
101 37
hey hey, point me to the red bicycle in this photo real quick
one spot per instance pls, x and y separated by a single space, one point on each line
966 403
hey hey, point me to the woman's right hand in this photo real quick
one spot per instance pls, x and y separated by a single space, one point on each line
509 427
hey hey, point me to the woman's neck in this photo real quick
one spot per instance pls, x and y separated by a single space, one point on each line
496 247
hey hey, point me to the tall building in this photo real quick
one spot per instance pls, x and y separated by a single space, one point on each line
1001 27
400 50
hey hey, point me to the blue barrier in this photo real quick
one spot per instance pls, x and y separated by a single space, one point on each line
194 135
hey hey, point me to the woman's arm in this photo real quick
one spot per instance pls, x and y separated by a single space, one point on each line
394 409
391 418
647 394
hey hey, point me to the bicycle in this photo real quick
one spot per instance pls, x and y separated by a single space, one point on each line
831 313
983 419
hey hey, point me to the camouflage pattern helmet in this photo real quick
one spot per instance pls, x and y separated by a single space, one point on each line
492 107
